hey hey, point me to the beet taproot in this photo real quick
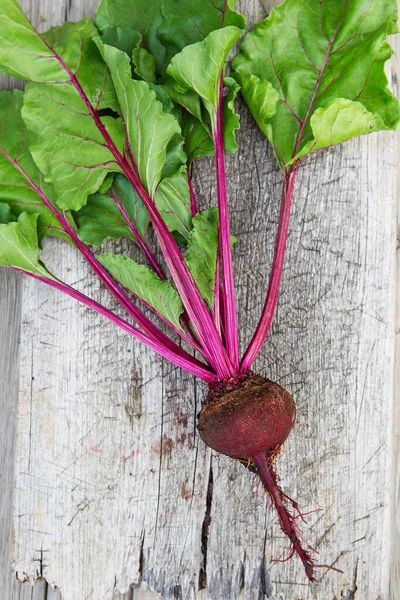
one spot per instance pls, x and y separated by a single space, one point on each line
246 417
249 418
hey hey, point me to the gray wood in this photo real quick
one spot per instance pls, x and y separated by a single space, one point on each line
395 488
10 311
105 504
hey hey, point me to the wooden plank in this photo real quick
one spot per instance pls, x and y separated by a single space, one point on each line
10 311
394 580
107 504
53 594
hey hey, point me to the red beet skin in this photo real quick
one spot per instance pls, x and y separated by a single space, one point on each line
246 418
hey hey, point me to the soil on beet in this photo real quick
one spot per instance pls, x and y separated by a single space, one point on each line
246 417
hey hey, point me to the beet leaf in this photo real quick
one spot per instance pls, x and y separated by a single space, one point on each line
313 76
311 57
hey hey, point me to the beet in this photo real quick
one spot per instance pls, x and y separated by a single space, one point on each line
249 418
246 417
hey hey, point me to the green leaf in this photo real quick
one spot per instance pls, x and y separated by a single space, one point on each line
123 38
163 26
175 156
261 97
6 216
145 64
198 139
101 218
74 44
191 21
69 149
198 67
15 159
173 202
19 246
201 257
197 130
142 18
37 57
314 53
339 121
145 284
231 118
188 99
149 128
22 52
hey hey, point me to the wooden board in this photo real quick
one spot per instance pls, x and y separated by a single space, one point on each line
113 486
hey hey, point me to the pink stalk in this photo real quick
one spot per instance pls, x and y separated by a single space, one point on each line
276 274
189 338
191 364
194 209
230 314
140 241
186 286
280 246
102 273
217 298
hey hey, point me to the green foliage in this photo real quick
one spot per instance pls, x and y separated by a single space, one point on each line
68 147
231 118
199 67
157 33
19 246
145 64
6 215
173 202
101 218
339 121
193 20
149 128
162 27
201 257
299 66
22 52
16 193
73 43
148 88
145 284
125 23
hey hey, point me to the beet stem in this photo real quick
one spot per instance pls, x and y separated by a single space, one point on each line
271 300
286 519
225 251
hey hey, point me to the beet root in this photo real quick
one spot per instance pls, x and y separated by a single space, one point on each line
249 419
246 417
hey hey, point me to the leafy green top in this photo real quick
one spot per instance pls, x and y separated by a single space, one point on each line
112 119
313 75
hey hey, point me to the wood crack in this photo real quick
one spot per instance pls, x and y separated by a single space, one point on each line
205 530
351 593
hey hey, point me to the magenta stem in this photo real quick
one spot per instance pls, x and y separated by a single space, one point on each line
217 298
194 209
141 243
102 273
191 364
188 337
276 274
196 308
228 287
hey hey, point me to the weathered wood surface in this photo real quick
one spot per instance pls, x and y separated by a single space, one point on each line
113 487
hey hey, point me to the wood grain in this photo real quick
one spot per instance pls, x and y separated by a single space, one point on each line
394 579
113 486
